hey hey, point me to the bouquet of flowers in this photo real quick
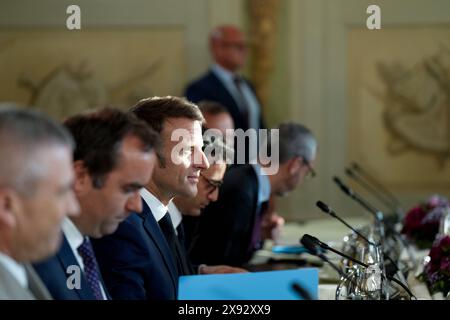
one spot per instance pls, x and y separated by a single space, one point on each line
421 223
437 271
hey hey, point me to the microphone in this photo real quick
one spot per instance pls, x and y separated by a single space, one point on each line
325 208
377 184
387 202
330 211
317 243
314 242
348 191
310 243
302 292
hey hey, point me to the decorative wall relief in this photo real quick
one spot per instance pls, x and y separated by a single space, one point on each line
63 73
417 105
398 114
66 90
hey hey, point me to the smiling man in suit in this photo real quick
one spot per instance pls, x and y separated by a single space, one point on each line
113 160
36 180
143 259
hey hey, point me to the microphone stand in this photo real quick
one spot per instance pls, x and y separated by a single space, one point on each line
327 247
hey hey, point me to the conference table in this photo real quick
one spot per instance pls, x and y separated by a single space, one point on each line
331 232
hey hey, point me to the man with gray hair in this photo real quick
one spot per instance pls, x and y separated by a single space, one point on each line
36 180
231 229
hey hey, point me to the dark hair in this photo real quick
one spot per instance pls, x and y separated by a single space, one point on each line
211 107
214 143
156 110
99 135
22 134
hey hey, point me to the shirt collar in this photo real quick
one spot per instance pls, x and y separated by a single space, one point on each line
175 215
222 73
263 184
16 269
72 234
156 206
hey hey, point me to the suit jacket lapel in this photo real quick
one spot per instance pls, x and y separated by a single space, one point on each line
67 258
36 285
230 103
154 232
10 288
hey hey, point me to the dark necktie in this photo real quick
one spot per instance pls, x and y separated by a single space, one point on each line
179 255
242 102
182 241
256 240
91 269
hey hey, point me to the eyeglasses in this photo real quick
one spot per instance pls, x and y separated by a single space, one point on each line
311 172
212 183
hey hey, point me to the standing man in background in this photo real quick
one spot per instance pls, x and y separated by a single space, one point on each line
224 84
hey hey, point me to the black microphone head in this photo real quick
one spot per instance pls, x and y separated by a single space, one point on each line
338 181
325 208
343 187
349 172
310 244
301 291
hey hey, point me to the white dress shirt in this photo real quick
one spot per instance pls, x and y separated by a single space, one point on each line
16 269
175 215
75 239
158 209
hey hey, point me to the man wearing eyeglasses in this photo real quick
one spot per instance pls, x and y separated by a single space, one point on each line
183 209
231 229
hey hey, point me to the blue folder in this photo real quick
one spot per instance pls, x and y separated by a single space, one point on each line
267 285
289 249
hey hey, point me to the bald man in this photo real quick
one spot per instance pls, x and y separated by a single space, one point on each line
224 84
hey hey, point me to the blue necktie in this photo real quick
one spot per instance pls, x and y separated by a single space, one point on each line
91 269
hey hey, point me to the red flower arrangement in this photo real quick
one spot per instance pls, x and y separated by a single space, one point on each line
421 223
437 271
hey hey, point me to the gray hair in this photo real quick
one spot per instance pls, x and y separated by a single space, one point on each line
295 140
23 133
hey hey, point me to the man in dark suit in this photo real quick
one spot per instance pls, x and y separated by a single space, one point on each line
113 160
143 258
36 178
223 83
230 230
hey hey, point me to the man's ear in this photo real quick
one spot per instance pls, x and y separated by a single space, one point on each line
294 165
8 202
83 179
